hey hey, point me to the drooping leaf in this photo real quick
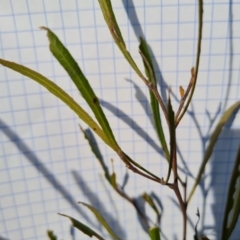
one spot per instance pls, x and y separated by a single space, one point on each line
232 208
64 57
96 151
112 24
225 117
83 228
58 92
151 203
51 235
154 103
172 129
101 220
154 233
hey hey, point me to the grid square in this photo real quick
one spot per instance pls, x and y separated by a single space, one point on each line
7 24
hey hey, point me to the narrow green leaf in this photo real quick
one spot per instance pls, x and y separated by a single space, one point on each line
51 235
96 151
101 220
172 129
83 228
154 103
64 57
154 233
225 117
110 19
58 92
232 208
151 203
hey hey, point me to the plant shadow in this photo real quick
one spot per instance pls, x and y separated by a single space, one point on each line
95 201
41 168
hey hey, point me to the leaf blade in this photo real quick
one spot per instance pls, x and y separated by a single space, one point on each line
51 235
172 133
225 117
154 233
66 60
233 203
101 220
154 103
59 93
151 203
112 24
82 227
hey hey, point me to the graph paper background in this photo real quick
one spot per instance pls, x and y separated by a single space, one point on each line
46 164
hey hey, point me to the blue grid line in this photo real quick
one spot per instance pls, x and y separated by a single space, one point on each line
37 65
129 7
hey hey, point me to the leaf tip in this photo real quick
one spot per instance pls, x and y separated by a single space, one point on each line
44 28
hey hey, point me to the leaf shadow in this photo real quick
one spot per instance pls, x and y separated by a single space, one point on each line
138 31
46 173
221 169
132 124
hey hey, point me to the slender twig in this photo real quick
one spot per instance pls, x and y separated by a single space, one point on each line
175 187
183 99
153 88
200 26
123 156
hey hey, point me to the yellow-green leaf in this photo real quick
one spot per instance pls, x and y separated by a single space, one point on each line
154 103
51 235
225 117
64 57
154 233
83 228
151 203
232 208
58 92
110 19
101 220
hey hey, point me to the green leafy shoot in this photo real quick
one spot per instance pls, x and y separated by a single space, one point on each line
232 209
154 103
172 129
101 220
51 235
154 233
83 228
147 198
64 57
225 117
112 24
59 93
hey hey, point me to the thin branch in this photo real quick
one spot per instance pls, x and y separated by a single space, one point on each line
191 82
123 156
200 26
